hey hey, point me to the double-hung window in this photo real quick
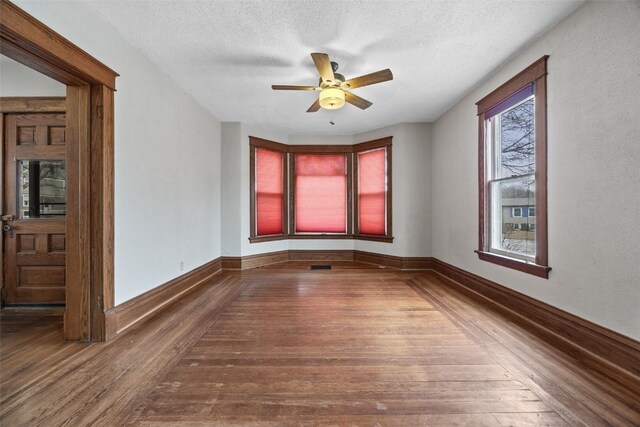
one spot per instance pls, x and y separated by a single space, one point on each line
373 190
268 190
512 178
320 183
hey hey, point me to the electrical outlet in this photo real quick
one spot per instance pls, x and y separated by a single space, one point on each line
181 265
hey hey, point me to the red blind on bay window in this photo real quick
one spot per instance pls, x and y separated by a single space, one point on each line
269 192
372 186
321 193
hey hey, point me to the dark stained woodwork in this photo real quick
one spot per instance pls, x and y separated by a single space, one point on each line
285 345
77 315
89 275
29 41
31 104
101 210
34 258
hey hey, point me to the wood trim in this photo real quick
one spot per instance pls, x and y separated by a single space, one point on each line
140 308
10 104
37 46
320 255
373 238
77 270
102 213
258 260
530 74
324 236
265 143
565 330
269 238
90 198
370 145
541 169
535 73
320 149
231 262
516 264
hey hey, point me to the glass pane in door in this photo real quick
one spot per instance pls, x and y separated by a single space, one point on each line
42 189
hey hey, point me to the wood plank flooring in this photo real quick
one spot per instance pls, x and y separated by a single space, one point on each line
283 345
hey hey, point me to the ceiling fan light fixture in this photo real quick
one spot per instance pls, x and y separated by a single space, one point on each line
331 98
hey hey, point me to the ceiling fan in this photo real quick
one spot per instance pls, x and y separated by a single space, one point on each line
334 87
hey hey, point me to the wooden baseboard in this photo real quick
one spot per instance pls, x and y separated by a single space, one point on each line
129 313
566 331
320 255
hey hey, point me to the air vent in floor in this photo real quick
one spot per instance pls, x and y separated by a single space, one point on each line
319 267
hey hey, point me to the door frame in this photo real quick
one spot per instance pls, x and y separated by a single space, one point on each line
90 166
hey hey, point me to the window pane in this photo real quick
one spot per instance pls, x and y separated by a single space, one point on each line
269 192
372 186
321 193
517 140
513 229
42 189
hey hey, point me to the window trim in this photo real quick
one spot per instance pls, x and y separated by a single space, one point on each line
535 73
385 143
273 146
288 208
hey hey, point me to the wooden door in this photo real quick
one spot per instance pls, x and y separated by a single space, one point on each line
34 208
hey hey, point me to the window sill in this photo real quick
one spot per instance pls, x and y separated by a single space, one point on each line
516 264
259 239
269 238
320 236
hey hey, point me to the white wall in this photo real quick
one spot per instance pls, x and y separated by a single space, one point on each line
411 184
167 158
593 169
19 80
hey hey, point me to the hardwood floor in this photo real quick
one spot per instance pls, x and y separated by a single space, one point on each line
284 345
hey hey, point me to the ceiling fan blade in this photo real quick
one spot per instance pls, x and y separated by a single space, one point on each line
352 99
369 79
288 87
323 64
314 107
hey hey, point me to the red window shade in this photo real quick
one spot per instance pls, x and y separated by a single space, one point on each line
372 187
321 193
269 192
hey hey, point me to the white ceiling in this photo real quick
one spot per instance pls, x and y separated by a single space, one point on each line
227 54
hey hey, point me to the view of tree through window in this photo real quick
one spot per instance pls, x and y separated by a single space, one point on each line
513 180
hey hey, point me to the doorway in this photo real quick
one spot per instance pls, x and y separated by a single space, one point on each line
88 151
34 201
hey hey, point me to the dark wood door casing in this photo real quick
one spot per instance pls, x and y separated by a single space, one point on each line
89 150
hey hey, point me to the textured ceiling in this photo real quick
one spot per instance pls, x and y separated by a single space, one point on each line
227 54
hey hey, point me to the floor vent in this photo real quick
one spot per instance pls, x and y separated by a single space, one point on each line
319 267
